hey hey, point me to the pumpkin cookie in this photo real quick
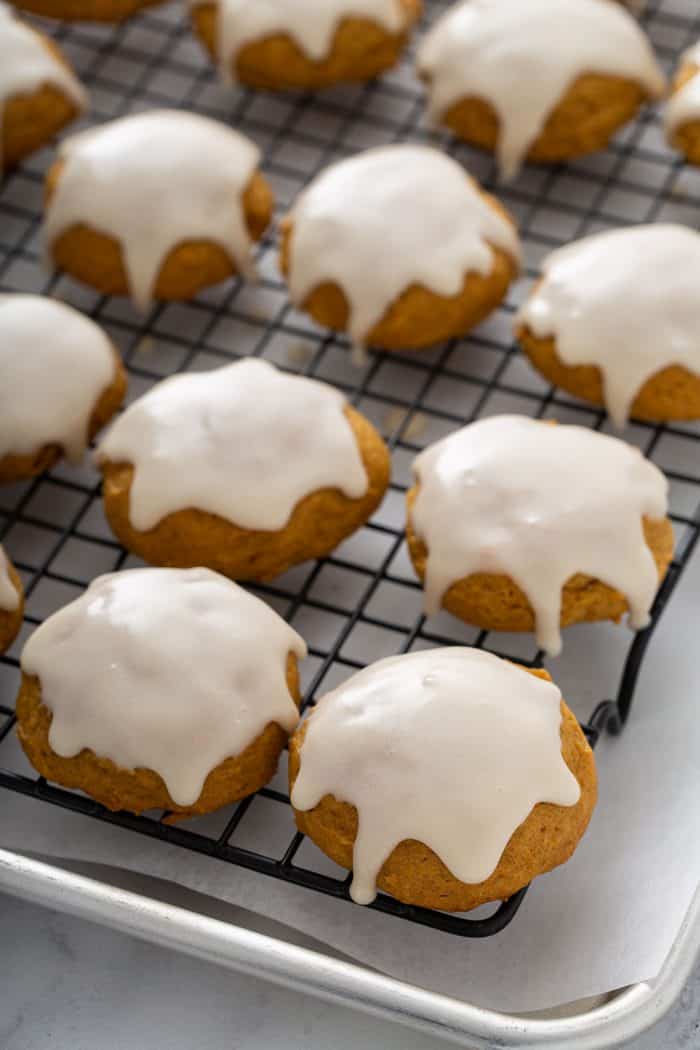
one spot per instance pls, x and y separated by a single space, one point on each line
160 689
39 93
156 205
307 45
543 81
447 778
11 602
518 525
398 246
245 469
682 117
615 320
61 380
86 10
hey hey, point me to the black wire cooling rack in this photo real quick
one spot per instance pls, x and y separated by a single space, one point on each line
363 602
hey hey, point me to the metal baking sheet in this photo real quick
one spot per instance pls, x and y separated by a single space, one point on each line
366 593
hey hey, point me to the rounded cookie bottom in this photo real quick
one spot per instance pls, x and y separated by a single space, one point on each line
97 260
686 137
414 874
361 50
11 619
86 10
583 121
494 602
31 120
194 537
18 467
136 790
672 393
418 318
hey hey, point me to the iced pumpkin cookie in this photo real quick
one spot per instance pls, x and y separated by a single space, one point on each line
309 44
157 205
86 10
446 778
615 320
544 81
160 689
519 525
682 117
39 93
245 469
61 380
398 246
11 602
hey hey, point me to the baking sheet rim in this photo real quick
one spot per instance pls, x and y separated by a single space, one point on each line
623 1016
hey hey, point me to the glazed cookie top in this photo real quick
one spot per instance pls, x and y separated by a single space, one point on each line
624 300
312 24
522 58
26 63
245 442
9 599
54 365
152 181
389 218
539 503
684 104
450 747
172 670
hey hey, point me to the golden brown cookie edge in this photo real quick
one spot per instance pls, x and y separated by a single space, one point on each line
193 537
137 790
414 874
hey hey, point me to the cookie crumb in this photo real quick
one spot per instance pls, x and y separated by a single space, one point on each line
359 356
299 354
417 425
396 418
146 345
393 420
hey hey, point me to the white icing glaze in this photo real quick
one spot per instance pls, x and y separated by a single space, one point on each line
684 105
450 747
9 598
539 503
312 24
389 218
523 57
624 300
152 181
172 670
54 365
245 442
26 64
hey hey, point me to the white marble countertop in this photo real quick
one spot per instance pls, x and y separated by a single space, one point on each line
66 984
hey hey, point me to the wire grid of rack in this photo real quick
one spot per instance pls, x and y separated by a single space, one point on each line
363 602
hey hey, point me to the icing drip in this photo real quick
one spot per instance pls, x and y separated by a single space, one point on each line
312 24
54 365
153 181
522 58
245 442
172 670
539 503
625 301
389 218
9 599
684 105
27 64
450 747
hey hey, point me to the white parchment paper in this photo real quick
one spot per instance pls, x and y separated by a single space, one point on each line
604 920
